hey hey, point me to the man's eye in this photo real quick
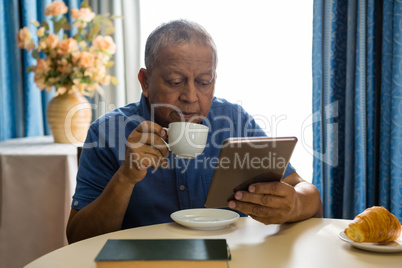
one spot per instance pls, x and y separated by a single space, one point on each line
204 82
175 82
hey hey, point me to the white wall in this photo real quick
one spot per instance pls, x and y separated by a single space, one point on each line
264 51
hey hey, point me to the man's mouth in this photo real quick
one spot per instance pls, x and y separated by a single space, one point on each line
186 116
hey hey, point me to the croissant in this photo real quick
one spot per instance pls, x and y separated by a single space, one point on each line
374 225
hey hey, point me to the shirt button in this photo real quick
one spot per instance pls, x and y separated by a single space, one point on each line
182 187
75 203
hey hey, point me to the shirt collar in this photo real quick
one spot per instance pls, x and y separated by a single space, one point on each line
144 108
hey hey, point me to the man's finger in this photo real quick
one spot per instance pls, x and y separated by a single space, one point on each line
151 127
266 200
272 188
251 209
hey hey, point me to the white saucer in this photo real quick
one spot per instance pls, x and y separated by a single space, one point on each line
390 247
205 218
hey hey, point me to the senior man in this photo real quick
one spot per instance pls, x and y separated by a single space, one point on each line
128 178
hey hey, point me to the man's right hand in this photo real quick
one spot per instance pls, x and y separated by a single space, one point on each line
145 148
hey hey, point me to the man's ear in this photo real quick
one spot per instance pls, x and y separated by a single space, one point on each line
143 77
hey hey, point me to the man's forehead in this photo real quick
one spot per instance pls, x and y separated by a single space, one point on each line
173 56
185 47
180 71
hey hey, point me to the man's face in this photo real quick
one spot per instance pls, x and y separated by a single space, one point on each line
181 85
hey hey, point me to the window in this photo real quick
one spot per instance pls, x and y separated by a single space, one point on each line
264 53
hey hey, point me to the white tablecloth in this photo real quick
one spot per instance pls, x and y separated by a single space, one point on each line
37 180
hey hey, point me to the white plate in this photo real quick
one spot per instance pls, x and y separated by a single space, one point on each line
205 218
390 247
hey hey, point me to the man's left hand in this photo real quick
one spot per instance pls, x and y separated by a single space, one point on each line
267 202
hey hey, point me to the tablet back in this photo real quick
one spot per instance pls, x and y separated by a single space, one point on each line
243 161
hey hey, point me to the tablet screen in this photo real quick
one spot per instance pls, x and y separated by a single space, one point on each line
243 161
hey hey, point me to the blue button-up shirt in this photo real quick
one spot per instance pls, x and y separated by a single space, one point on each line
184 184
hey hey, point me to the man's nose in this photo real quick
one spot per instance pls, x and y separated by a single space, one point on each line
189 93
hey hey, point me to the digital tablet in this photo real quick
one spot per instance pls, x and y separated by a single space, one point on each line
243 161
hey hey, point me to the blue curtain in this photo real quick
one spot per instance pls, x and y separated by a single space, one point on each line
357 105
22 104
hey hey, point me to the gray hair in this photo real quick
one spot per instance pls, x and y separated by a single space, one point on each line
174 33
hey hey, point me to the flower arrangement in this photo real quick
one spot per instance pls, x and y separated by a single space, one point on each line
75 63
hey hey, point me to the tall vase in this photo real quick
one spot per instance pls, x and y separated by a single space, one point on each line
69 116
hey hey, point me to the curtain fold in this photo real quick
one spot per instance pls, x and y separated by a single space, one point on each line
127 61
33 115
391 117
11 90
357 80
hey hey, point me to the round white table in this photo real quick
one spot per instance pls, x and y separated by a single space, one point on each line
311 243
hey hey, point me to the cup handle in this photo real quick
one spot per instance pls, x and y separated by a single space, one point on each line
166 129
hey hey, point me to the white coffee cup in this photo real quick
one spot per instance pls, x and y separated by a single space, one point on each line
186 140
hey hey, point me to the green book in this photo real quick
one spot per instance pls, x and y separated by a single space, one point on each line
164 253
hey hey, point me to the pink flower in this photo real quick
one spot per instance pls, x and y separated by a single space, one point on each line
82 16
97 73
40 70
104 43
67 46
56 8
40 32
49 42
84 59
41 66
100 58
39 80
52 40
24 39
64 66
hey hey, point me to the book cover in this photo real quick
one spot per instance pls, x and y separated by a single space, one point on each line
163 253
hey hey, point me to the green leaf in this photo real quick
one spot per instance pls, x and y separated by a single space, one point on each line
109 30
66 26
35 54
29 69
57 27
96 28
93 32
113 17
85 4
86 80
82 32
109 64
77 37
63 79
114 81
104 16
97 19
63 19
107 22
105 52
46 25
